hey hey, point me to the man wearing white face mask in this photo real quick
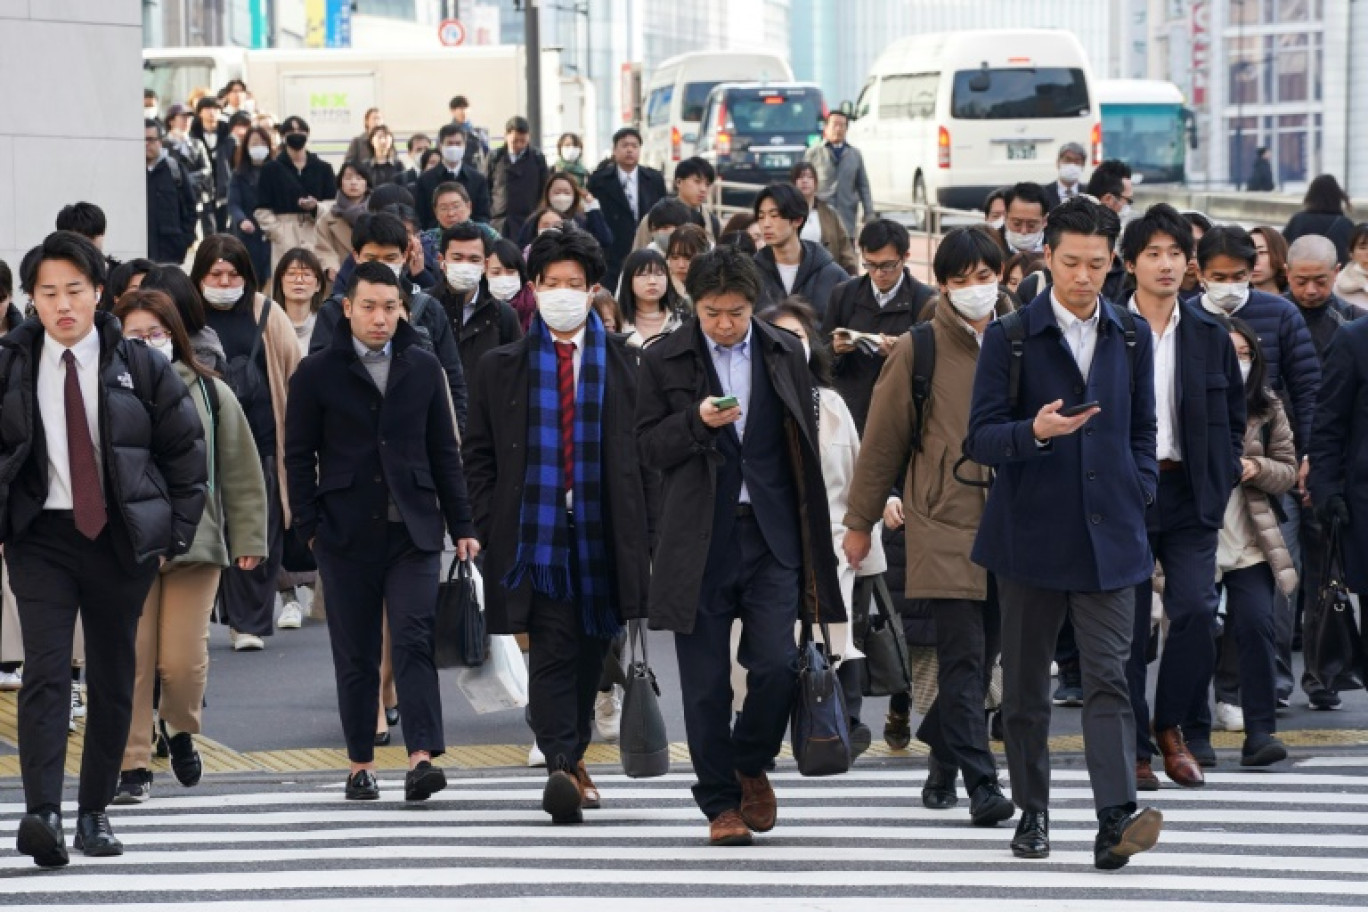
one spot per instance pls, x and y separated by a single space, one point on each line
479 321
451 140
944 354
1024 230
559 503
1072 158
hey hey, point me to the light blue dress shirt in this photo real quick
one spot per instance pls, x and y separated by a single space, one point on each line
733 366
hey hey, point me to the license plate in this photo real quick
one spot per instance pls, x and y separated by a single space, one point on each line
776 160
1021 151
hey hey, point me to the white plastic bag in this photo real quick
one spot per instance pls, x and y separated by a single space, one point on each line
500 683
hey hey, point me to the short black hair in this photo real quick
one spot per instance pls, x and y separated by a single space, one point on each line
517 124
786 199
463 231
151 123
376 274
379 228
738 239
177 286
963 249
1197 220
63 245
1161 218
234 83
1107 178
695 167
723 270
149 93
240 119
448 130
83 218
879 233
208 101
294 124
6 283
1227 240
668 212
1027 192
458 101
406 214
362 170
838 113
417 138
120 277
388 195
1081 215
993 196
624 132
566 244
509 256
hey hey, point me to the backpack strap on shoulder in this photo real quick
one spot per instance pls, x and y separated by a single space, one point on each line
1016 337
923 368
1128 330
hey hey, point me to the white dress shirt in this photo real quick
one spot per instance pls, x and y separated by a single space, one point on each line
52 409
1169 443
1081 335
882 298
1066 193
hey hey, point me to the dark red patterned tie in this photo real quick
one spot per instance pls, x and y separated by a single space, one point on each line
565 373
87 503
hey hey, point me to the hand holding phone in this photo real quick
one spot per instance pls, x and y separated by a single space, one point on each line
722 403
1074 411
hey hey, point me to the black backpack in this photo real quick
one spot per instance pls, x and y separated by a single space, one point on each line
1016 336
241 374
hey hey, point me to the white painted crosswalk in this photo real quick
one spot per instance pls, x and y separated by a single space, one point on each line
1291 840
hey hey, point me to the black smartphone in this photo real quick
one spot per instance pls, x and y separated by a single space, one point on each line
1074 411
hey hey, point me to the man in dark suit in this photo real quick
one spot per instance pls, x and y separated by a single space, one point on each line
517 178
1064 529
626 191
740 481
1071 160
560 503
375 480
103 456
1200 421
451 139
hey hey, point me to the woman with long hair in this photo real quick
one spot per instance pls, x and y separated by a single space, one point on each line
243 201
173 632
646 297
686 243
570 158
205 343
1270 269
262 353
565 197
299 286
1325 211
823 225
506 277
384 163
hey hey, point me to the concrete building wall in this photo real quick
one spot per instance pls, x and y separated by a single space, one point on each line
71 119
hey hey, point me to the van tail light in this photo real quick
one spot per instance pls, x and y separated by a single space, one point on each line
675 140
943 148
724 144
1097 144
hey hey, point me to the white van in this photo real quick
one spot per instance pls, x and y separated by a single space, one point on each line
677 91
949 117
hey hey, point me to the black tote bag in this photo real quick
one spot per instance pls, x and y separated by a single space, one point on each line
879 635
461 640
642 741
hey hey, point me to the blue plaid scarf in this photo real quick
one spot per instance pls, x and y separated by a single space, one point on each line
544 545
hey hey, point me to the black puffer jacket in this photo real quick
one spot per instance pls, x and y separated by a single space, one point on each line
153 443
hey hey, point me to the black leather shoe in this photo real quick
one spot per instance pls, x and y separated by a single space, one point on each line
363 786
563 797
94 836
939 793
382 739
1262 750
40 836
1032 839
392 715
988 806
185 760
860 739
1124 833
423 781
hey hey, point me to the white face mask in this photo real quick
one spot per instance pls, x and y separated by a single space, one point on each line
1069 173
453 155
997 223
1227 295
570 153
1024 243
563 309
258 153
662 238
222 298
976 301
463 277
166 347
504 287
1245 368
807 350
150 112
397 269
562 202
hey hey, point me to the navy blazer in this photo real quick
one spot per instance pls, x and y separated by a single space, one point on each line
1339 447
1070 515
349 449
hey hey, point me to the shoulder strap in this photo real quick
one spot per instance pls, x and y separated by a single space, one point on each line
419 308
211 398
923 368
1128 329
261 328
1016 336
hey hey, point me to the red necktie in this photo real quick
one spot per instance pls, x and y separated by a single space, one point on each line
87 503
565 373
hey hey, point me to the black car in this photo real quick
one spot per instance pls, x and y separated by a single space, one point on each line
753 133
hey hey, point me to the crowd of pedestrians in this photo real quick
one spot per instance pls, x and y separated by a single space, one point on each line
1093 430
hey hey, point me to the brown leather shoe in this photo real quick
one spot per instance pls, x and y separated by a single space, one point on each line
1145 780
759 809
587 788
728 829
1179 764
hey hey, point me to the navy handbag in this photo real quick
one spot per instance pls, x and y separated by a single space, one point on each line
820 732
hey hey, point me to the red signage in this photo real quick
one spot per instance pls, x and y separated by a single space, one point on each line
1201 51
451 33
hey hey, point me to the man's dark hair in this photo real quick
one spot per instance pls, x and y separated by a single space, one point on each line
1161 218
379 228
448 130
376 274
120 277
234 84
463 231
624 132
517 124
6 283
417 138
388 195
294 124
1196 219
151 123
695 167
83 218
149 94
1027 192
1227 240
723 270
962 250
669 213
406 214
457 101
738 239
240 119
786 198
1108 177
565 244
993 196
838 113
1081 215
206 102
63 245
878 234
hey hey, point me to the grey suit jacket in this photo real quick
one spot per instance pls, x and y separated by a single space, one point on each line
842 186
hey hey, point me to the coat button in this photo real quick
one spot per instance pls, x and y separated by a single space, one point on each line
1087 432
1092 476
378 479
1096 519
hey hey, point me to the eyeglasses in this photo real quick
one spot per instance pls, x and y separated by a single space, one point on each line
300 275
885 268
452 208
155 336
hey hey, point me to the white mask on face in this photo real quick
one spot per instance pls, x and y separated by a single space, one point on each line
165 347
570 153
397 269
563 309
463 277
1069 173
1245 368
1024 243
222 298
453 155
258 153
997 223
1227 295
150 112
976 301
504 287
562 202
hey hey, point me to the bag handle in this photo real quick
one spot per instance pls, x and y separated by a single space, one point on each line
1330 581
636 634
807 638
461 568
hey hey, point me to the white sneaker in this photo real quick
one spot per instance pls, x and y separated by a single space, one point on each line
608 715
1229 717
245 642
291 616
1054 669
78 709
11 680
535 758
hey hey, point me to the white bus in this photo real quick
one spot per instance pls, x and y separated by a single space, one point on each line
947 118
1146 125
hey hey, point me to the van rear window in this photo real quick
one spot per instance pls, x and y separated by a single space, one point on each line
695 96
775 112
1019 93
